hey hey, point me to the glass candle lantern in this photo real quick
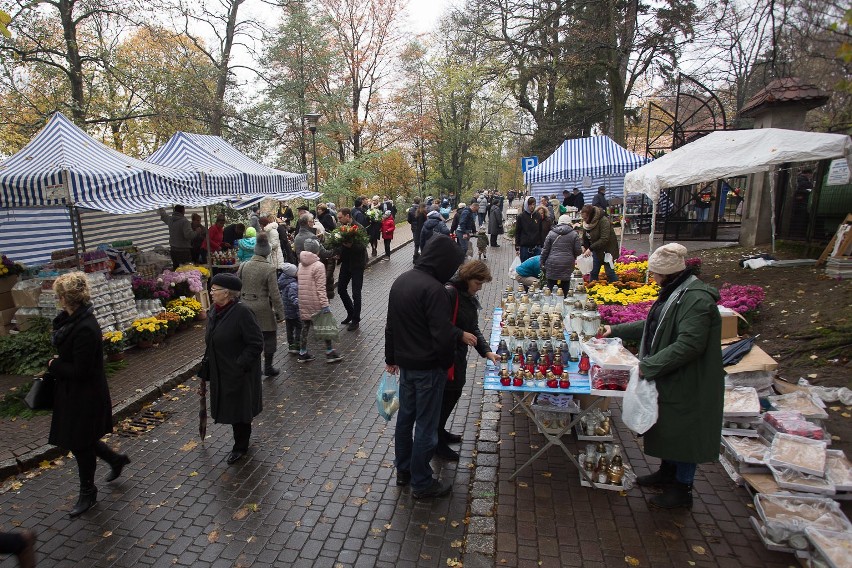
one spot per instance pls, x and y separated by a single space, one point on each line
591 320
577 322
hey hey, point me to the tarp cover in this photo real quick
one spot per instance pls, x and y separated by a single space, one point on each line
596 156
98 177
734 152
227 171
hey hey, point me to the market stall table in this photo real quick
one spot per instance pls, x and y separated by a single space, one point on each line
523 397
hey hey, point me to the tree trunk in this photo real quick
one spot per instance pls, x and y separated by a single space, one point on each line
75 64
224 69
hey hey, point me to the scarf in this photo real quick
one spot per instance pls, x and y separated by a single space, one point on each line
596 218
65 323
222 309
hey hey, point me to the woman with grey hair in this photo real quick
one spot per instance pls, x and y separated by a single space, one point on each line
234 343
82 409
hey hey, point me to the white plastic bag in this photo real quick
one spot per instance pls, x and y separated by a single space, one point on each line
585 264
515 264
639 410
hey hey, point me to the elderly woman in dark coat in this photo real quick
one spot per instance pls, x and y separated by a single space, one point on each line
82 409
462 290
495 220
561 249
680 351
234 344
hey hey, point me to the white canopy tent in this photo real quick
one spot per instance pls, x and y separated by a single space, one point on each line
731 153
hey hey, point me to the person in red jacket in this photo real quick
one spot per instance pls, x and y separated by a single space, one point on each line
387 232
216 235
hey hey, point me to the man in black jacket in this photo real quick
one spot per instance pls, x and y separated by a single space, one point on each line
528 238
415 221
420 341
353 262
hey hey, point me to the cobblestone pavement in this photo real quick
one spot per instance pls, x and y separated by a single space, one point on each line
318 486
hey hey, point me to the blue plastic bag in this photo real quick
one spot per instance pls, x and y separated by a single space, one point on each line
387 396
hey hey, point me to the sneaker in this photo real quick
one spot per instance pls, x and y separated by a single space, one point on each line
333 357
353 325
305 358
385 258
437 489
293 349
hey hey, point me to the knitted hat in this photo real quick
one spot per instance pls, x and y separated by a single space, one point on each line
228 281
261 246
250 232
564 220
386 214
312 245
668 259
289 269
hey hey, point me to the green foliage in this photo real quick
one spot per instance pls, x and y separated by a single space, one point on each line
12 405
27 353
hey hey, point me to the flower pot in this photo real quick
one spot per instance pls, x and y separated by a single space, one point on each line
202 315
144 343
113 357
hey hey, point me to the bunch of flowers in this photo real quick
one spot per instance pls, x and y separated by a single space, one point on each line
346 234
205 273
184 313
147 329
182 283
695 264
374 214
624 314
745 300
632 271
113 342
171 320
622 293
190 303
148 289
628 256
8 267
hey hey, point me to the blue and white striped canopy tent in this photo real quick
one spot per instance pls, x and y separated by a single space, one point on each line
64 166
226 170
597 159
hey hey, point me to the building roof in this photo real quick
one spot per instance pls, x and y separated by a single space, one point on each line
785 91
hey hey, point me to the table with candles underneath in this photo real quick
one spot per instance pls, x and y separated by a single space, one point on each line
544 365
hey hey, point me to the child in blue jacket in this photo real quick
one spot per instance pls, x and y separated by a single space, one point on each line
289 288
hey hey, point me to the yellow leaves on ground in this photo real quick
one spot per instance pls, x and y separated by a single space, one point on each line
456 544
546 474
631 561
454 524
193 474
361 454
244 511
523 484
213 536
375 532
454 563
698 549
191 445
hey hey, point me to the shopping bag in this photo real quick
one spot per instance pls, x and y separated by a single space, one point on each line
639 409
387 396
515 264
40 396
325 326
585 264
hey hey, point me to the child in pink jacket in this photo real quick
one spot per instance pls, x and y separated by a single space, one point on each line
312 299
387 232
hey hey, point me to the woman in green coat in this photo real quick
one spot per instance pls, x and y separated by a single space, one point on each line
599 240
680 350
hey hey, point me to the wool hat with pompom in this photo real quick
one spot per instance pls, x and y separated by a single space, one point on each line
250 232
668 259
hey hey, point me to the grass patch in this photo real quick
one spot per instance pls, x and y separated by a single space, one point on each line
13 406
112 367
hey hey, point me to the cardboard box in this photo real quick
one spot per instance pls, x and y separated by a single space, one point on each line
729 322
26 296
7 315
7 282
585 400
755 360
6 301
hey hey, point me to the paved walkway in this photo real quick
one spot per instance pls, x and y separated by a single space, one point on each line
318 486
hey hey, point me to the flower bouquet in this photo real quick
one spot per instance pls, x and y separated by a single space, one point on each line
190 303
148 289
346 234
374 215
182 283
190 267
114 345
145 331
9 267
184 314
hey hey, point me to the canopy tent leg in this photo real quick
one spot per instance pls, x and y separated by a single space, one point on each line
207 236
651 234
772 206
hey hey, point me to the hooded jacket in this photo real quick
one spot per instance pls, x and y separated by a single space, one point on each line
561 249
434 223
419 333
311 277
288 286
180 229
601 237
276 257
684 359
245 248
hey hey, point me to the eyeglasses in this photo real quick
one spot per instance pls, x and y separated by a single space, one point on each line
217 290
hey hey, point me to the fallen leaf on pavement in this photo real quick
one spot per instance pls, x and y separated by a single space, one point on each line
456 544
361 454
107 534
213 536
631 561
454 524
454 563
189 446
523 484
698 549
546 474
193 474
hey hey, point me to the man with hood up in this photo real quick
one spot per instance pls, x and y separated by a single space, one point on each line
434 224
420 342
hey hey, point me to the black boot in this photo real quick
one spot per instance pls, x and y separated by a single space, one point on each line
88 497
674 496
268 369
660 478
116 467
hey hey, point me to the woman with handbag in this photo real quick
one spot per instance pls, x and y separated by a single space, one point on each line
561 248
313 301
462 290
82 409
234 342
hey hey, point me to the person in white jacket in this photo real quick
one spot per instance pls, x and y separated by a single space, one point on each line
276 257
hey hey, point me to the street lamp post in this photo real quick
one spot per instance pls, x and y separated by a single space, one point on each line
312 119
